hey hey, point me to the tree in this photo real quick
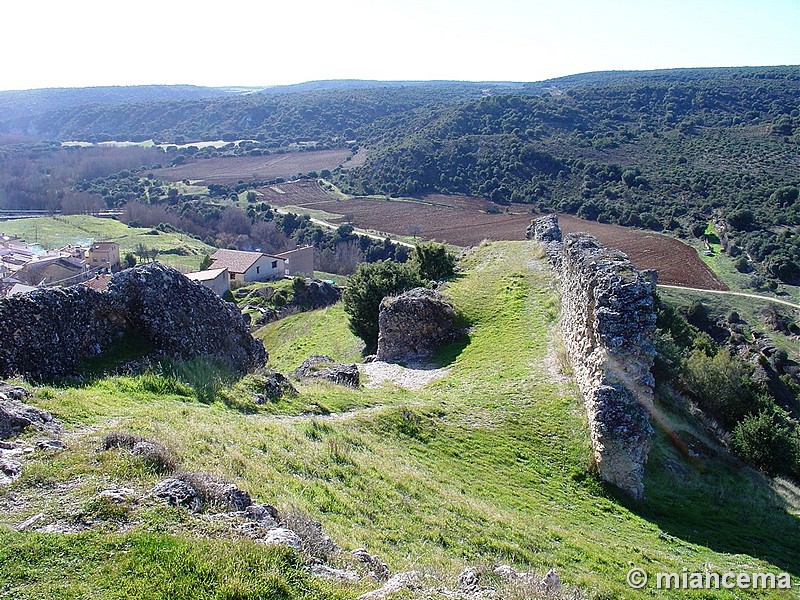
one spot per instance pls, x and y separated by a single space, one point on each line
205 263
129 260
370 283
433 261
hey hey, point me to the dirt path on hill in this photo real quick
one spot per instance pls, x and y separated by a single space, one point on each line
730 293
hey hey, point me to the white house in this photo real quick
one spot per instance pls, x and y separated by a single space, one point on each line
217 280
248 266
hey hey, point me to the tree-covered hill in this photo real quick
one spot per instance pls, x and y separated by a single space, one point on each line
663 150
282 115
16 105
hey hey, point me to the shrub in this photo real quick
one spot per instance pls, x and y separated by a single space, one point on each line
721 384
433 261
767 440
367 287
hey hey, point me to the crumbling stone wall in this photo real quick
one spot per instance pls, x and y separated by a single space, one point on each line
47 333
608 321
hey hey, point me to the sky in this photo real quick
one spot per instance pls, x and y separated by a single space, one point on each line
78 43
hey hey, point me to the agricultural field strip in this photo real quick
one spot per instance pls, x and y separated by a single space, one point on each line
731 293
374 236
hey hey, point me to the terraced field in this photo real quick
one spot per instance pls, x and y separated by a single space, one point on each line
467 220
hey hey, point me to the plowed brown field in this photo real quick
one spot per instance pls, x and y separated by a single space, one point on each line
467 220
228 170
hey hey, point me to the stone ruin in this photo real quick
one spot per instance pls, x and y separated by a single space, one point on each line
608 321
413 325
46 334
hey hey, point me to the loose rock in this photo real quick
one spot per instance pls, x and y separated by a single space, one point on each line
402 581
327 572
377 568
324 367
283 537
15 415
178 493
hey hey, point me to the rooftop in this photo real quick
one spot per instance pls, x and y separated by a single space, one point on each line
104 246
206 275
236 261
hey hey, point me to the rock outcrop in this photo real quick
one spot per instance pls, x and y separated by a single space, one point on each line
324 367
608 322
47 333
413 325
15 415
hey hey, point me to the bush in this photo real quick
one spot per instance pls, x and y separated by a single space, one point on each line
767 440
155 455
433 261
367 287
721 384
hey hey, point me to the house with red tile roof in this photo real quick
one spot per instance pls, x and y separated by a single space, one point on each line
248 266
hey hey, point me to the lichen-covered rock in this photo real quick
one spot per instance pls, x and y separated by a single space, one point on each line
47 333
9 470
608 321
272 386
377 568
410 580
413 325
281 536
184 319
177 492
324 367
15 415
327 572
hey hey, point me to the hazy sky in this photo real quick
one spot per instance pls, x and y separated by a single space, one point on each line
70 43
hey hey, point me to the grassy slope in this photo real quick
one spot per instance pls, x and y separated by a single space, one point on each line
57 232
487 465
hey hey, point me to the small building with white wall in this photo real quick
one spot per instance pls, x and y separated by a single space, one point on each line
299 261
245 266
217 280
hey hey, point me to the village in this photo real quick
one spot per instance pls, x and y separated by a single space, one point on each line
25 268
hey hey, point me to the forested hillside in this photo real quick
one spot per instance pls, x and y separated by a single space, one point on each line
664 150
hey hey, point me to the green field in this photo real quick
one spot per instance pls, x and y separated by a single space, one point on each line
488 465
175 249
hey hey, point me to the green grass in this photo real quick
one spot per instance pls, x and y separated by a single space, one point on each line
177 250
151 566
723 266
487 465
293 339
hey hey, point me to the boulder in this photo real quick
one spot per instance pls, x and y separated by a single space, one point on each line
271 386
15 415
47 333
324 367
184 319
281 536
178 492
413 325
